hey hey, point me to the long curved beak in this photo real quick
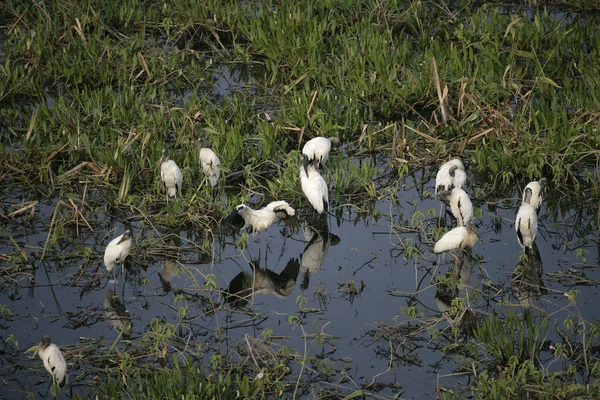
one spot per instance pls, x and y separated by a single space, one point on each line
305 163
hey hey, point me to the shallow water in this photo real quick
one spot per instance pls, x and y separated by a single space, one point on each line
72 300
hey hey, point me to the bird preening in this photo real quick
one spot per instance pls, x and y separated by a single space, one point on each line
526 224
210 163
258 220
317 150
54 362
170 175
450 175
117 250
314 186
460 205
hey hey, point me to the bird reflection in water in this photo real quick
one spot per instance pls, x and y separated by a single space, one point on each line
167 273
527 277
459 277
245 284
116 314
313 256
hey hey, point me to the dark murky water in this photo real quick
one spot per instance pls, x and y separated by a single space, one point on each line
73 303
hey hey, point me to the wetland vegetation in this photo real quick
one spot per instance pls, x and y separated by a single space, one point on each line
92 91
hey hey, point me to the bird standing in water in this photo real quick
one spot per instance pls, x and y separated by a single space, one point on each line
210 163
314 186
170 175
54 362
457 239
259 220
117 250
526 223
460 205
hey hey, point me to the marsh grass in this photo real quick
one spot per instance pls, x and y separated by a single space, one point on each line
90 94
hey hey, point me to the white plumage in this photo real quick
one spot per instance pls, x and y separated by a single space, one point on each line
457 238
170 175
210 163
317 150
460 205
54 362
526 224
314 186
117 250
451 174
258 220
537 187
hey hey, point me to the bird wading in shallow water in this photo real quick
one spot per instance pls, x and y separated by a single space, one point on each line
317 150
450 175
210 163
259 220
456 239
537 188
170 175
54 362
117 250
460 205
526 223
314 186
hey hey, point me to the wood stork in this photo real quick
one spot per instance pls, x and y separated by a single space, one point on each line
170 175
54 362
457 238
460 205
314 186
117 315
210 163
117 250
317 150
450 175
245 284
537 188
258 220
315 252
526 224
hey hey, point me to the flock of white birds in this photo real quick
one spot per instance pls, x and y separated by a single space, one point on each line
449 181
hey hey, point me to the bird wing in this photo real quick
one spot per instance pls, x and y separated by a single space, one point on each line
451 240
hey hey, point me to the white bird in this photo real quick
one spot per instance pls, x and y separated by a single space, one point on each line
455 239
54 362
170 175
526 224
314 186
451 174
258 220
117 250
243 286
210 163
460 205
317 150
537 187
